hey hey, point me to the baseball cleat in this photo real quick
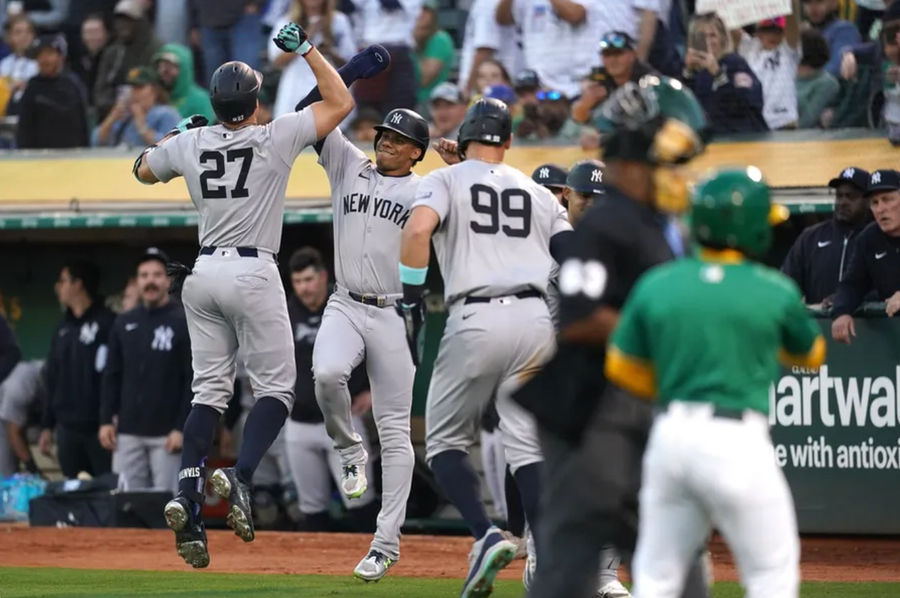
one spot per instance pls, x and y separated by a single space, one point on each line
530 561
353 480
374 566
226 485
613 589
488 557
183 518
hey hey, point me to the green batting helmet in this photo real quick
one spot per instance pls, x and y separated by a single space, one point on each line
732 208
656 120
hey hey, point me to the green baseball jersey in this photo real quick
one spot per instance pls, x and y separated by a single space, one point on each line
701 329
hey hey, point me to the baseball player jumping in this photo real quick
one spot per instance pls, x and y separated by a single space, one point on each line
236 173
493 230
371 203
703 336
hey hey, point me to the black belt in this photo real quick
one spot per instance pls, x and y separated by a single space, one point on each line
520 295
369 299
241 251
727 413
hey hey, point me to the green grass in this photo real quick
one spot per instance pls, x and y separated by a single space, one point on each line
75 583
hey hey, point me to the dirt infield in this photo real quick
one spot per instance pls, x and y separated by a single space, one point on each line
824 559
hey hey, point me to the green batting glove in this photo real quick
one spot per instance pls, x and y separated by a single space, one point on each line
293 39
191 122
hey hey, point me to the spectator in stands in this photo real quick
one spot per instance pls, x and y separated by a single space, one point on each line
816 88
134 45
546 119
361 128
448 109
174 64
820 256
620 64
490 72
874 259
47 15
172 21
329 30
314 462
21 396
558 37
75 366
17 68
840 34
53 111
229 30
142 116
773 54
95 39
485 38
434 51
639 19
723 82
147 383
389 23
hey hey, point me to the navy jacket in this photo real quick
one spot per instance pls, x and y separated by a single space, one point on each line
147 382
733 99
78 353
820 257
874 265
305 324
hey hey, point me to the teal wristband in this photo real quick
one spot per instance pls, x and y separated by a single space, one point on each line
412 275
304 48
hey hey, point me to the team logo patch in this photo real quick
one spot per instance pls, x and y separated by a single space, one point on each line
848 173
597 176
712 274
88 332
743 80
544 173
397 118
876 178
162 338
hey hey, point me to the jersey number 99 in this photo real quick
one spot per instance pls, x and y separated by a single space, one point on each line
245 155
486 201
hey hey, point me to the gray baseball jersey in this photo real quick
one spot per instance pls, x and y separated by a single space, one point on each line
237 178
370 210
494 234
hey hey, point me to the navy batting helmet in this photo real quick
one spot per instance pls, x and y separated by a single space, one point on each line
487 121
587 177
407 123
233 91
550 175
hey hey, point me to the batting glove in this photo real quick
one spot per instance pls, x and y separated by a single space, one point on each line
292 39
191 122
413 315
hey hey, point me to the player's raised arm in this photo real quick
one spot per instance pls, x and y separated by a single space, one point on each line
336 101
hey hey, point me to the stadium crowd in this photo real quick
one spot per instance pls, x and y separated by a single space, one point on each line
119 72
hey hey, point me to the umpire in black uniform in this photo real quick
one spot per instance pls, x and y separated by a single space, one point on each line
78 353
592 434
146 391
874 258
820 256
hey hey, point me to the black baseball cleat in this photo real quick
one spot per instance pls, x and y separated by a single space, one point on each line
226 485
183 517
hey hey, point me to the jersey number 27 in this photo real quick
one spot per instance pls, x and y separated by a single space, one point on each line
515 204
245 155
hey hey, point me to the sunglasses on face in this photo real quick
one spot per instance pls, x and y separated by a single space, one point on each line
551 95
614 42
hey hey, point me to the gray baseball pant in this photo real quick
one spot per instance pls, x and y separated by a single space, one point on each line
351 331
232 301
143 462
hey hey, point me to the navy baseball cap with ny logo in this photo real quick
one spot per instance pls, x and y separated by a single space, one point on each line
854 175
883 180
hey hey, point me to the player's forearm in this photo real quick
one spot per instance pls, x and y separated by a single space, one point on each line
17 442
335 94
415 248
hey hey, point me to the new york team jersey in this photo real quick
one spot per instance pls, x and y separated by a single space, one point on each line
370 210
495 229
237 177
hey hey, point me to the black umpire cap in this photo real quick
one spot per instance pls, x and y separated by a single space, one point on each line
854 175
233 91
883 180
587 177
408 123
550 175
